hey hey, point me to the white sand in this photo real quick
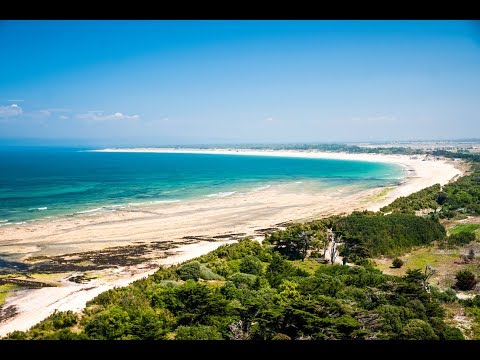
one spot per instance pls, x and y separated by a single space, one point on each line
237 213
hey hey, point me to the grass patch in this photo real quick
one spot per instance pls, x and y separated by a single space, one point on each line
442 261
6 290
429 256
48 277
85 263
380 195
216 283
309 266
474 228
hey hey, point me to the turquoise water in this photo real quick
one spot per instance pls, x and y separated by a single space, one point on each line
50 182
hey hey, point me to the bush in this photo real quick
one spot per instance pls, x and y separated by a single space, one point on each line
199 332
190 270
451 333
418 330
465 280
474 302
461 238
280 336
63 334
251 265
447 296
17 335
441 198
471 255
237 251
397 263
109 324
58 320
243 280
373 234
208 274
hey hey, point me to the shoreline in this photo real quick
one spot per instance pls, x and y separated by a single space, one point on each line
216 219
315 154
101 208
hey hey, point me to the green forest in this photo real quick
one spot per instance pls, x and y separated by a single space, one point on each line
249 291
459 197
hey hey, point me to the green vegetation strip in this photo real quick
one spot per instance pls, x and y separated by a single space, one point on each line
270 298
5 291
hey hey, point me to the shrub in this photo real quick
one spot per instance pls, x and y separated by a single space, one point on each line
109 324
251 265
199 332
397 263
461 238
17 335
58 320
190 270
471 255
447 296
208 274
243 280
280 336
451 333
418 330
63 334
465 280
474 302
441 198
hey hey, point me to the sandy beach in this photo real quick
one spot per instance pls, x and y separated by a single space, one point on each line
192 228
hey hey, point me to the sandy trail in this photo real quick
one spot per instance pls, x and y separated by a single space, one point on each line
239 213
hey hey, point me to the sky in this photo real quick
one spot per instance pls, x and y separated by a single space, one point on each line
196 82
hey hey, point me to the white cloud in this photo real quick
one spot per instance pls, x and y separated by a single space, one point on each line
10 111
46 113
99 116
63 117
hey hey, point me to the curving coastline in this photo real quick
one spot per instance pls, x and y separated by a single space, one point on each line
219 218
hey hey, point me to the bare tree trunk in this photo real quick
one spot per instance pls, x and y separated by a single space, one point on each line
326 244
429 272
333 250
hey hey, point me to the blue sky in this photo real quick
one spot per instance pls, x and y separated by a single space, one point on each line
169 82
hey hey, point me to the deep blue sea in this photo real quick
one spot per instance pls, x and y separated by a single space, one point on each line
50 182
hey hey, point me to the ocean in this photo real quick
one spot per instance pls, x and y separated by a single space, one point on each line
46 183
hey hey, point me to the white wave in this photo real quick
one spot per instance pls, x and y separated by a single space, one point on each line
221 194
20 223
262 187
153 202
3 221
88 211
39 208
298 182
164 201
112 208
